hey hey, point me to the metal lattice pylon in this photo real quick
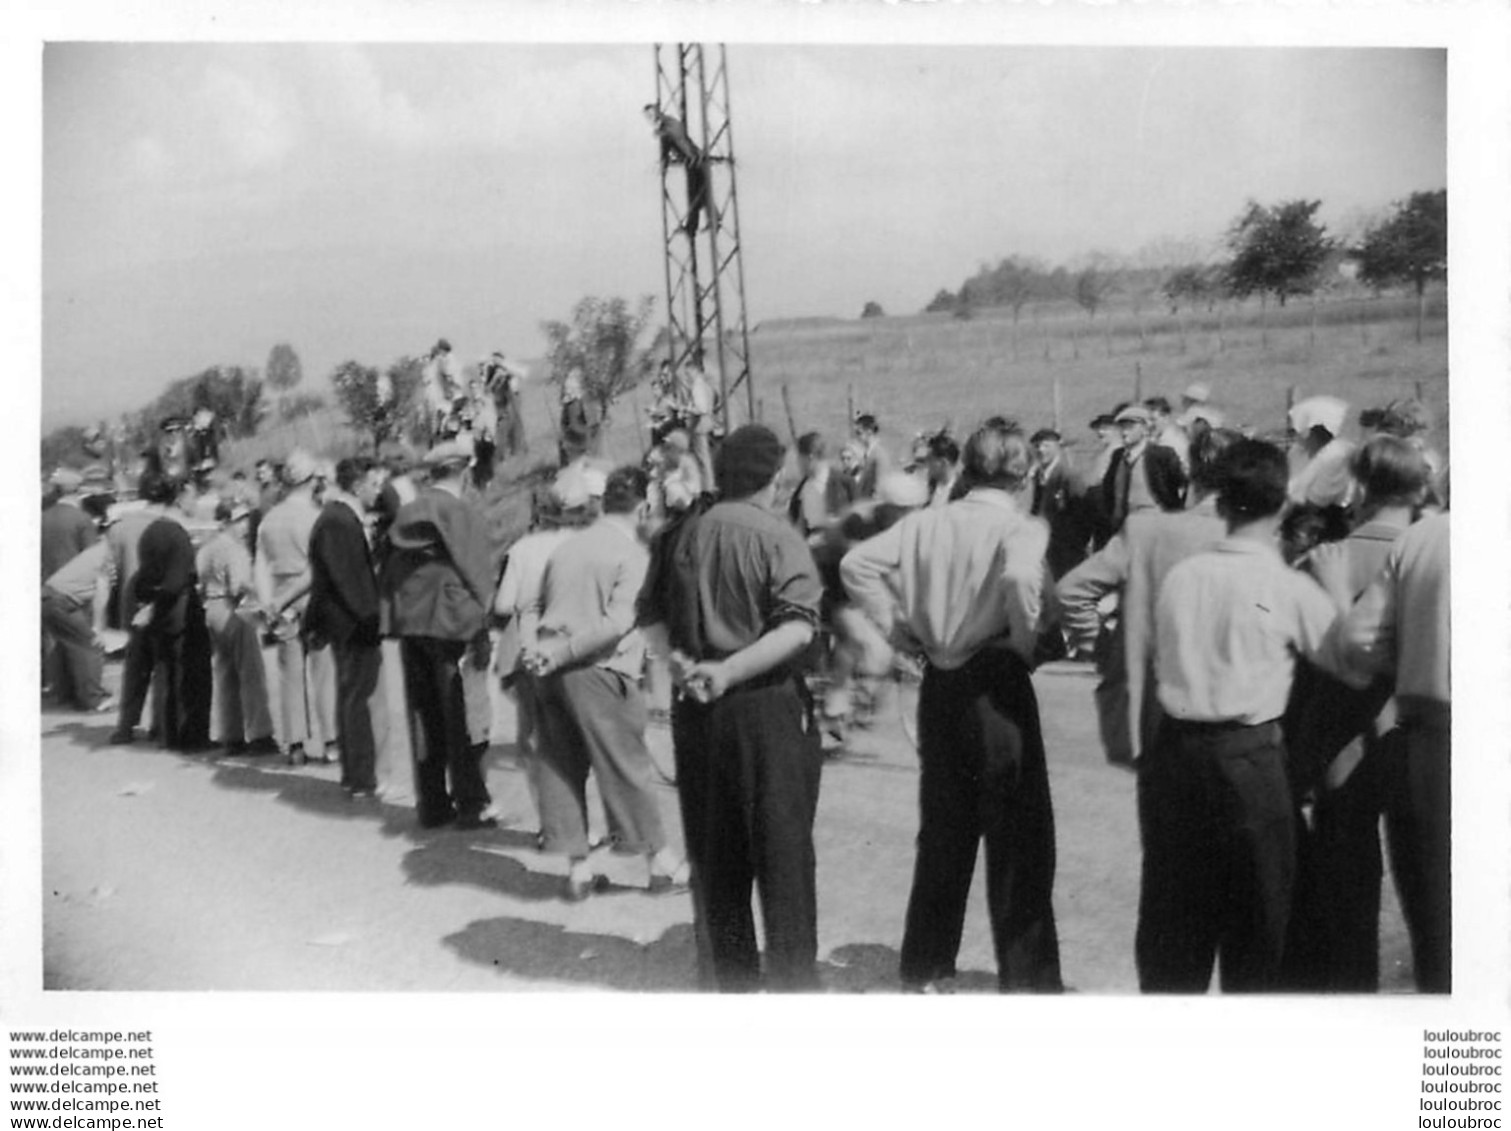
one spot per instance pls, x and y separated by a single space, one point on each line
705 274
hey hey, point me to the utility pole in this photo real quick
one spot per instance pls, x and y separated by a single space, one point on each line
700 220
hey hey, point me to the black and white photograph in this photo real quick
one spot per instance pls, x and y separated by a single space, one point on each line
583 560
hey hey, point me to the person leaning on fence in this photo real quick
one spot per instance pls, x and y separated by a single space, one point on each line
731 599
964 585
1215 809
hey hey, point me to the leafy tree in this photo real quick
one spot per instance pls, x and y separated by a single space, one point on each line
873 310
296 406
601 342
232 393
941 302
378 404
1408 249
1277 250
1092 289
64 447
1192 284
283 370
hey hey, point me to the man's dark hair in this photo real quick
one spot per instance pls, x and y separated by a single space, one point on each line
1252 481
812 446
1208 447
264 462
996 455
351 471
747 461
157 488
1391 470
1045 434
943 446
238 474
625 489
97 507
868 422
1158 404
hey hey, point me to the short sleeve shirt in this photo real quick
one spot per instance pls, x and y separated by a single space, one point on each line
726 577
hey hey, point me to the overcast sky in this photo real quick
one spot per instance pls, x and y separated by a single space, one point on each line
204 202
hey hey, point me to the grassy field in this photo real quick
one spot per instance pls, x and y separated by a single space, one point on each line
924 371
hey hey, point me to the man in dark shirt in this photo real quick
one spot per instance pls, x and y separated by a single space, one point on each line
343 609
172 619
732 598
677 148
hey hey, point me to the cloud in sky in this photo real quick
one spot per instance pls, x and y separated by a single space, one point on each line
365 197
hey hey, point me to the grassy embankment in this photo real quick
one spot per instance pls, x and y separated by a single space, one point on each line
922 371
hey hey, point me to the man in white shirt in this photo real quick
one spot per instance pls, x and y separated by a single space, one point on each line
963 584
1215 809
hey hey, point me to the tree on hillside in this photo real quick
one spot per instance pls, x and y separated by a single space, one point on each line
378 404
873 309
232 393
941 302
601 343
1408 249
1092 290
64 447
1191 285
284 370
1276 250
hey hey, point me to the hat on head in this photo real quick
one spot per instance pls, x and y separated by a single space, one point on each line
229 510
448 453
1103 420
1135 414
1045 434
299 467
1319 412
900 489
576 487
748 459
1198 391
67 480
443 345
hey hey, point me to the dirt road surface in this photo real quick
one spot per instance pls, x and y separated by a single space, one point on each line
163 871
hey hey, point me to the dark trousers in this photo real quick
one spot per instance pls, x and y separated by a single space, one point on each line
181 660
748 770
1333 941
356 680
136 678
1218 827
983 776
77 663
594 719
448 772
1418 828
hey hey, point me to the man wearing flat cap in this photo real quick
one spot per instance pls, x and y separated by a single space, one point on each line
439 583
282 572
1141 475
731 598
243 719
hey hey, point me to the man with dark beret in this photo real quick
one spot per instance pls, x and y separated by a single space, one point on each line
732 598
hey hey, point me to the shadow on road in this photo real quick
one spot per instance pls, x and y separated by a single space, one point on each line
523 948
